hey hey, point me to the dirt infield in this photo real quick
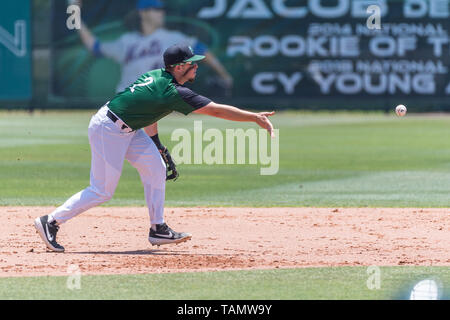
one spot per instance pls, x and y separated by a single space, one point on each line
114 240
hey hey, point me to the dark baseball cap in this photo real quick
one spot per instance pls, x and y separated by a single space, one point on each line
149 4
179 53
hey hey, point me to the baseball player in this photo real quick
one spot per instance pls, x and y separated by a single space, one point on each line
126 128
142 49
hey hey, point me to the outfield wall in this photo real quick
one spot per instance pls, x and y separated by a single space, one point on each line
280 54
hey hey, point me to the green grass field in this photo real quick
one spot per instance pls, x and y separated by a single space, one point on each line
326 160
351 283
341 159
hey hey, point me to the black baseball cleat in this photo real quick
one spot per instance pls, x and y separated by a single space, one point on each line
165 235
48 231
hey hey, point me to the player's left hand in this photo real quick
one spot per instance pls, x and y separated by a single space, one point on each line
171 169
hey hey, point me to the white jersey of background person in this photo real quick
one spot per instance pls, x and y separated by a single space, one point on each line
136 52
141 49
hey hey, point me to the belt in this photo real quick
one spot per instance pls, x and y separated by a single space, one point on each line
114 119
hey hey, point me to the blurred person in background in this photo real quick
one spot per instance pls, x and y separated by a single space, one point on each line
142 48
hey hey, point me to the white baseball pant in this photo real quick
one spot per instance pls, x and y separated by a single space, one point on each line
110 145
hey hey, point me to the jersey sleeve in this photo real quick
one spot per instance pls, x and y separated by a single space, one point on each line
115 50
193 101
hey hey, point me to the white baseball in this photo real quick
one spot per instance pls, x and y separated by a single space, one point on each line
400 110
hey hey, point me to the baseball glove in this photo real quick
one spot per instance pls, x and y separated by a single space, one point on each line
171 169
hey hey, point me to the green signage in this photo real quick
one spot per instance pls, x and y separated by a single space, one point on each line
15 50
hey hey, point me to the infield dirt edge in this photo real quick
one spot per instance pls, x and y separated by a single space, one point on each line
113 240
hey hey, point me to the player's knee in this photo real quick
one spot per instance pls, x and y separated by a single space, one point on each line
105 197
157 172
102 195
162 170
158 167
151 170
162 166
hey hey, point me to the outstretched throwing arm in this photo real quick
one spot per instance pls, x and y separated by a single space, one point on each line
227 112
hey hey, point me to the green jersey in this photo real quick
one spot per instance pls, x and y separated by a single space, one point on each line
153 96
